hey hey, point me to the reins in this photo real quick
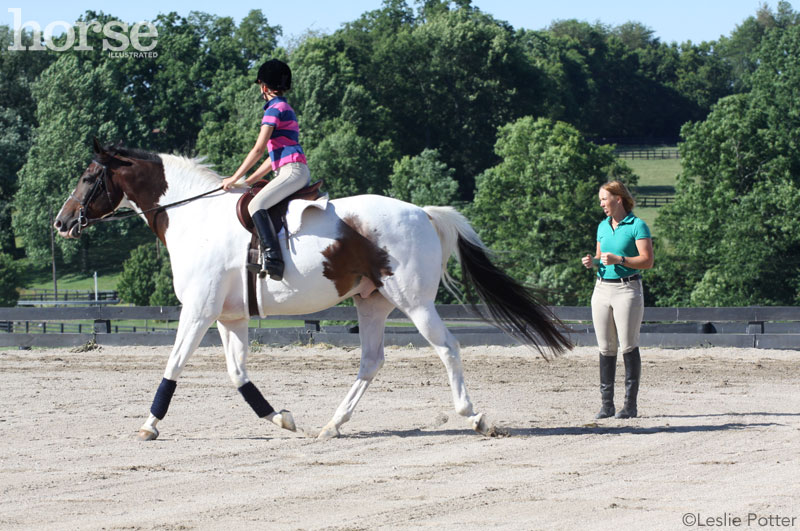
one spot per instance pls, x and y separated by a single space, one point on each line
157 208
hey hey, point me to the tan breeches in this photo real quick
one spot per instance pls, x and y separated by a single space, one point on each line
617 311
289 178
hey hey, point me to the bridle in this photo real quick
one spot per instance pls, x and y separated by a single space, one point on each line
99 183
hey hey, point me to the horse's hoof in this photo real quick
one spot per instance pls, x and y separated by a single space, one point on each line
480 424
147 433
284 419
328 432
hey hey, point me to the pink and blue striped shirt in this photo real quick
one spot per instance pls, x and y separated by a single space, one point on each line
283 144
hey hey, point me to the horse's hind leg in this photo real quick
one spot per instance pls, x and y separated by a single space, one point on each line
430 325
372 313
191 329
234 341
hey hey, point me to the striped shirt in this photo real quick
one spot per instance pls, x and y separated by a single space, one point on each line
283 143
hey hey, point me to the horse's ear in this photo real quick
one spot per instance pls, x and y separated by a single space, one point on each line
98 149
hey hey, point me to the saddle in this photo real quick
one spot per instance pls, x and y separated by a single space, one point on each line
277 214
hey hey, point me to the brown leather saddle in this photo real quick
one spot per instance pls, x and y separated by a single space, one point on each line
277 214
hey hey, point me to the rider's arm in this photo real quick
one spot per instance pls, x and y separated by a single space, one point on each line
259 174
254 156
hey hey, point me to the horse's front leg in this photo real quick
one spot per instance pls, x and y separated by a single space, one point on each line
192 326
372 313
234 340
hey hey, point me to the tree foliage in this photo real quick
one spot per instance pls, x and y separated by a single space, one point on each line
423 180
538 207
76 102
10 280
146 278
734 225
407 99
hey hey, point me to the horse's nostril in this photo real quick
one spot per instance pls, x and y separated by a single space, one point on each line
57 224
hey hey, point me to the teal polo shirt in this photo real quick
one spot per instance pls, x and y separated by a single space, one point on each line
622 242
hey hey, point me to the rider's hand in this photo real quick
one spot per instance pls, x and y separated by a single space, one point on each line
230 182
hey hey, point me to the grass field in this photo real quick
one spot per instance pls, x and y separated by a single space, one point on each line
656 178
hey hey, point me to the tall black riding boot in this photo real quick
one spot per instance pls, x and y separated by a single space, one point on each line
633 371
272 262
608 369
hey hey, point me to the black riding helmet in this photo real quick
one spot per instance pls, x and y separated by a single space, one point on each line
275 74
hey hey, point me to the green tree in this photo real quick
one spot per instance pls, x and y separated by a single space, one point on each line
231 125
538 208
10 280
164 291
18 70
349 163
76 102
423 180
733 228
137 282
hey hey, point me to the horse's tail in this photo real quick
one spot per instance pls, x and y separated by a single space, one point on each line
513 308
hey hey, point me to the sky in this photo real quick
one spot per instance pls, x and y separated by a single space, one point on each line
671 20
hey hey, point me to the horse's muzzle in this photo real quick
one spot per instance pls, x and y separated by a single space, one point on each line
68 229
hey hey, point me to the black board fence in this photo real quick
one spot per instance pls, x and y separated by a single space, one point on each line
759 327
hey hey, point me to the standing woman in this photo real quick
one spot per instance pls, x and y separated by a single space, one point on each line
624 247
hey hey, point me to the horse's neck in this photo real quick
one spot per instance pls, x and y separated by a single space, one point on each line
175 179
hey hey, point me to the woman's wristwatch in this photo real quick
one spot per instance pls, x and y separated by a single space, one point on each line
623 261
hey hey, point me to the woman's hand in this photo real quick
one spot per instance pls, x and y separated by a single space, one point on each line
587 261
229 183
610 259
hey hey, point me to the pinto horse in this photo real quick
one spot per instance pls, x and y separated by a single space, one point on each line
382 252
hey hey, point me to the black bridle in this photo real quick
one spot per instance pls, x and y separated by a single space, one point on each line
101 183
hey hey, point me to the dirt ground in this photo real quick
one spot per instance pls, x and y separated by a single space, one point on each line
718 439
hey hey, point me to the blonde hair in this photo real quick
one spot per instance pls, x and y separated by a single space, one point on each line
618 189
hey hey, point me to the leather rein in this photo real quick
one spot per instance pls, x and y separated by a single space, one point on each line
101 184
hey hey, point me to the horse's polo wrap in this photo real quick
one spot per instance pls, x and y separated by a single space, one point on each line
256 400
163 397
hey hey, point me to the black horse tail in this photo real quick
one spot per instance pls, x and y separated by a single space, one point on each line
512 307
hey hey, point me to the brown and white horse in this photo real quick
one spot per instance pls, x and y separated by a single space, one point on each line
382 252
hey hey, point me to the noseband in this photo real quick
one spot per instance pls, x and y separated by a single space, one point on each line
99 183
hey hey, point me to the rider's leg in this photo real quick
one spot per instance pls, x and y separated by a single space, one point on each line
288 179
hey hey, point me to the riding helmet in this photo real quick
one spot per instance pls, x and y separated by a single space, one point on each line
275 74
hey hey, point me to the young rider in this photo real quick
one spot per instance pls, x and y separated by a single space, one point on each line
279 133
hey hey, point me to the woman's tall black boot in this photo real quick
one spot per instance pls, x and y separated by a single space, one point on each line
272 262
633 371
608 369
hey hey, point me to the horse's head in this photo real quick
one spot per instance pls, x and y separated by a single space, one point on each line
95 196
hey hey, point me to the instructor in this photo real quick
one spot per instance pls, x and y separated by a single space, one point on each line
624 247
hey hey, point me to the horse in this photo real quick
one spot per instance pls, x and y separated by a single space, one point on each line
381 252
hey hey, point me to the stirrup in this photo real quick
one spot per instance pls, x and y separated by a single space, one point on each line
273 268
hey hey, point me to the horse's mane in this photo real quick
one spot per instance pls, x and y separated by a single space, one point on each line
132 153
190 164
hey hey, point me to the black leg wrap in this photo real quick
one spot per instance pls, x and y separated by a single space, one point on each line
162 399
256 400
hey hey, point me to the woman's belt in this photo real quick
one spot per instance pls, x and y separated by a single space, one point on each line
618 280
